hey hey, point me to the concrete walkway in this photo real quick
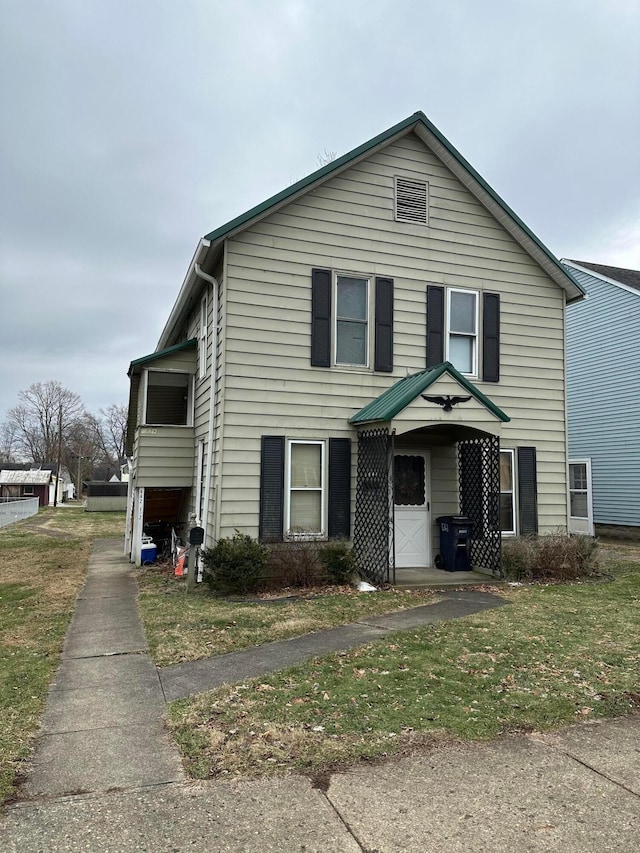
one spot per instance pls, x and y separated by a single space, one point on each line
106 778
102 726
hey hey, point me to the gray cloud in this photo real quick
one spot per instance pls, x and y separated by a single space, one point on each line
131 129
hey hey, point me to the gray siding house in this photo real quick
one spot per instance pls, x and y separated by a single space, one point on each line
380 344
603 393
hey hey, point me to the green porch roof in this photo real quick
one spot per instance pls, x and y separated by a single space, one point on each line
392 401
161 353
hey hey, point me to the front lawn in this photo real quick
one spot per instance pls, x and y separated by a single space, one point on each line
44 561
181 627
558 654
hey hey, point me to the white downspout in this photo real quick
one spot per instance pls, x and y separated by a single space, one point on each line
207 482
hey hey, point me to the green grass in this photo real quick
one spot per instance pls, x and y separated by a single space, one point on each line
555 655
182 627
44 561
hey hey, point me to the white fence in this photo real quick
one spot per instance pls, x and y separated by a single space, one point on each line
17 508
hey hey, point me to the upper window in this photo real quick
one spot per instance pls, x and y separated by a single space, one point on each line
168 398
412 201
306 489
27 490
507 496
462 330
352 321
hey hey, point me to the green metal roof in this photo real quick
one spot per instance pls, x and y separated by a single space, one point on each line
392 401
418 118
161 353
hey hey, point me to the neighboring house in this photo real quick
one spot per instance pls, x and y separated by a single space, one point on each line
26 484
305 382
603 392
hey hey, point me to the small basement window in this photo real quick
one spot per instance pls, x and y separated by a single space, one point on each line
168 398
412 201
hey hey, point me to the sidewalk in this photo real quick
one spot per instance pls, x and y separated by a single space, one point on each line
106 778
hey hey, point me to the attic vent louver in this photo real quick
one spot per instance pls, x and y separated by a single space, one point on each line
411 201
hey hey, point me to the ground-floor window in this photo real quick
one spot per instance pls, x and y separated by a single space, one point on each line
305 488
507 499
578 490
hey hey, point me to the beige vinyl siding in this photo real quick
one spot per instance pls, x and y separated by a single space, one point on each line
347 225
203 394
164 456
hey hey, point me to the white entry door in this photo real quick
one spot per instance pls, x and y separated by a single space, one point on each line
412 518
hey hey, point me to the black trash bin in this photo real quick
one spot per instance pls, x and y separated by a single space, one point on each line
455 543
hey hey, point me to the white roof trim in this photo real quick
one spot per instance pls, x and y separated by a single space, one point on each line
599 275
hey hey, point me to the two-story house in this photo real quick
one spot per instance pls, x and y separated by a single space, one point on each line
603 397
380 344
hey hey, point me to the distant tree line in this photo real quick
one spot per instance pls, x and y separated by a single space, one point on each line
50 425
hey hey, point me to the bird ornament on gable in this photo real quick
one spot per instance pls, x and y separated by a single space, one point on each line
447 402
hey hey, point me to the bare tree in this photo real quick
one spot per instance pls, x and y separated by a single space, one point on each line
46 411
113 429
326 157
7 443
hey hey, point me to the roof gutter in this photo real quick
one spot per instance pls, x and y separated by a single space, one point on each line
183 296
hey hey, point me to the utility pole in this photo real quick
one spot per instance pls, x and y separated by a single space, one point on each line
80 458
59 462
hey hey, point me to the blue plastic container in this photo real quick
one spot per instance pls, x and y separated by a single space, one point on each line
148 553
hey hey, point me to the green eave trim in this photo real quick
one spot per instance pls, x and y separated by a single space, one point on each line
392 401
161 353
320 174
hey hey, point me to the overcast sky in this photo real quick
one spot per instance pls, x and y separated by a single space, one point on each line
130 128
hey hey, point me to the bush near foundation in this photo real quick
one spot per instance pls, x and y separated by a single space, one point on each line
339 562
557 556
235 565
294 563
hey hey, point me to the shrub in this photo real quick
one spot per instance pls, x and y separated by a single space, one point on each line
294 563
339 561
558 556
235 565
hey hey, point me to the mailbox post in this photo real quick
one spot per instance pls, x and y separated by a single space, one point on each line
196 538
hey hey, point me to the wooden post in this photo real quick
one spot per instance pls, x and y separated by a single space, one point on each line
191 567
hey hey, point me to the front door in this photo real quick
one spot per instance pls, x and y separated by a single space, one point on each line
411 509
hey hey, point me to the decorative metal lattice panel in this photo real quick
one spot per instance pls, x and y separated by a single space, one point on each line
479 484
372 535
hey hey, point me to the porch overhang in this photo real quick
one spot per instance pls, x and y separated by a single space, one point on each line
452 401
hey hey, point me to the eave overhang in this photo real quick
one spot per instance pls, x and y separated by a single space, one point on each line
135 365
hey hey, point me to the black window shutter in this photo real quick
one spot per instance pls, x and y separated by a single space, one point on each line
527 491
339 488
271 488
435 325
321 318
491 337
384 325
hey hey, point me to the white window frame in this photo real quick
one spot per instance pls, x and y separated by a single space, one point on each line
202 337
334 321
588 491
474 337
512 454
322 533
25 492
